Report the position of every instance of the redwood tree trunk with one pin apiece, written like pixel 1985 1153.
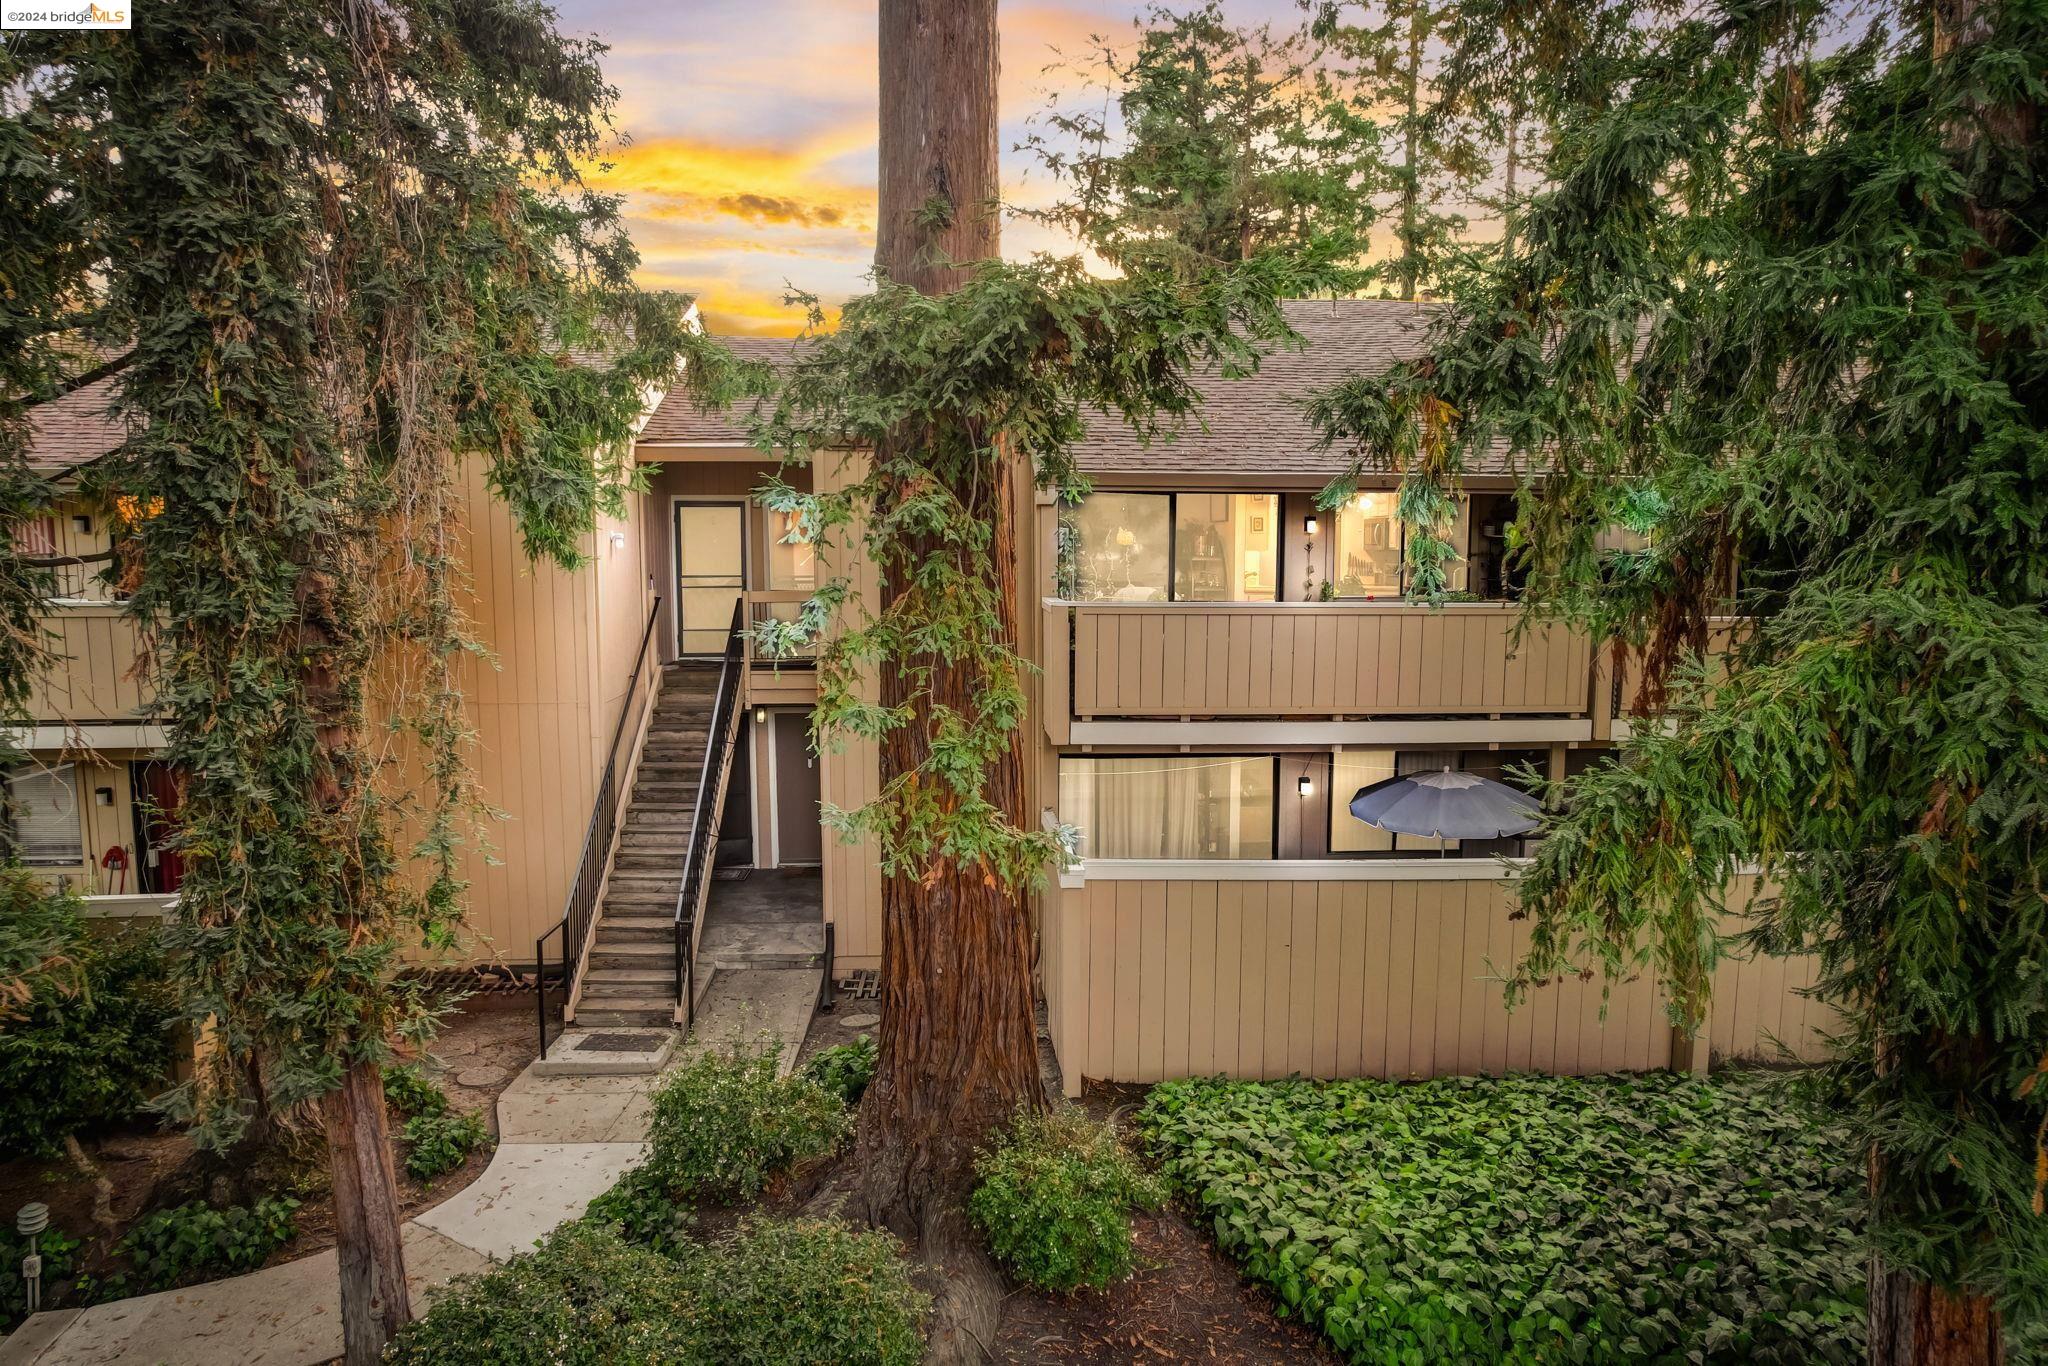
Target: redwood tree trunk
pixel 374 1300
pixel 958 1051
pixel 1914 1323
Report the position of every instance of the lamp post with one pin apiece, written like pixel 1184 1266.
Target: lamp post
pixel 29 1222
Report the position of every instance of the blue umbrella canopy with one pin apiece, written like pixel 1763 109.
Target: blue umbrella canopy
pixel 1447 805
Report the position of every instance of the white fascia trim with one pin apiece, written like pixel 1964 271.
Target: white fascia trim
pixel 1535 730
pixel 88 737
pixel 1292 870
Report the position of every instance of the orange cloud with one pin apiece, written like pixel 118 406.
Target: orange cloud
pixel 701 181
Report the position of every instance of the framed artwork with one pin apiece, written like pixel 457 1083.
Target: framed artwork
pixel 1258 525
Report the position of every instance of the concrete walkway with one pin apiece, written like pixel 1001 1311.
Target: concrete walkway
pixel 562 1141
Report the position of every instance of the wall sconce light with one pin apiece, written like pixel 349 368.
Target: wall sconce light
pixel 103 796
pixel 760 716
pixel 1306 785
pixel 618 540
pixel 82 524
pixel 1308 525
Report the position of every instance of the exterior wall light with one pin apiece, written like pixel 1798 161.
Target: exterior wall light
pixel 1306 785
pixel 618 540
pixel 760 716
pixel 1308 525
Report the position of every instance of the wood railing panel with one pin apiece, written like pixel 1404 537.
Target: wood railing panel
pixel 1392 977
pixel 1321 659
pixel 91 675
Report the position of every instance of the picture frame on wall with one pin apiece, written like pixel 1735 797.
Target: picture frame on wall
pixel 1258 525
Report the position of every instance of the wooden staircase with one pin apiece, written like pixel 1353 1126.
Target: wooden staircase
pixel 628 976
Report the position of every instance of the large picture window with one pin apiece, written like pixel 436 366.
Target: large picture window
pixel 1160 547
pixel 42 816
pixel 1178 806
pixel 1120 546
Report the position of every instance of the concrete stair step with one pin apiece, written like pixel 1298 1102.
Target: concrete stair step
pixel 627 981
pixel 637 838
pixel 659 792
pixel 619 1015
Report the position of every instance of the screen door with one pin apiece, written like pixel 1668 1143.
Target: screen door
pixel 711 573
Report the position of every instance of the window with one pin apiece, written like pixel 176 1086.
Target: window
pixel 1121 546
pixel 1179 806
pixel 1155 547
pixel 1372 545
pixel 1226 547
pixel 42 816
pixel 1368 548
pixel 792 564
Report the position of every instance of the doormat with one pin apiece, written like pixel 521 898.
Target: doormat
pixel 618 1042
pixel 863 985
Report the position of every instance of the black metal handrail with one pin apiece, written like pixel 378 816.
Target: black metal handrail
pixel 581 905
pixel 703 840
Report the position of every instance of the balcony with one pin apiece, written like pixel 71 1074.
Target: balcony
pixel 771 682
pixel 1379 661
pixel 93 678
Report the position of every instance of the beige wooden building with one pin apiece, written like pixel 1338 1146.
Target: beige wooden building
pixel 1222 666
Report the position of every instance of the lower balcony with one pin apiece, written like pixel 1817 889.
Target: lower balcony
pixel 92 676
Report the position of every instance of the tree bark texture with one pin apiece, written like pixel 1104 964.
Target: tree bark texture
pixel 958 1052
pixel 939 183
pixel 1914 1323
pixel 374 1301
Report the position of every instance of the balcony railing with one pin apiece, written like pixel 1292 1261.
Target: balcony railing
pixel 1314 659
pixel 92 676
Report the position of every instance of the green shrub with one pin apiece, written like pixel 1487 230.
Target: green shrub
pixel 723 1124
pixel 407 1090
pixel 844 1069
pixel 1054 1200
pixel 441 1141
pixel 794 1293
pixel 643 1211
pixel 804 1293
pixel 87 1046
pixel 197 1242
pixel 1534 1219
pixel 585 1296
pixel 60 1263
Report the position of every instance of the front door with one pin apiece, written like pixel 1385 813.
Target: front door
pixel 711 573
pixel 799 839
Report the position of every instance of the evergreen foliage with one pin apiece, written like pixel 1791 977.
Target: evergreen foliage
pixel 88 1048
pixel 1225 142
pixel 1786 305
pixel 343 250
pixel 1054 1198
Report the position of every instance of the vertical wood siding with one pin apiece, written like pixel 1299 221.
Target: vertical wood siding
pixel 1322 660
pixel 92 677
pixel 850 771
pixel 1149 980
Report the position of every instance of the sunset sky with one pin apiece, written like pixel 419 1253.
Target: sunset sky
pixel 749 160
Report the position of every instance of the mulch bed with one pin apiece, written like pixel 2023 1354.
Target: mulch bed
pixel 1186 1303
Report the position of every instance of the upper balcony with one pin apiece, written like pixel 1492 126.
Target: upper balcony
pixel 92 678
pixel 1413 669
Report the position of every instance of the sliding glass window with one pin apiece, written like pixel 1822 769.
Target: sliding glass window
pixel 1226 547
pixel 1119 547
pixel 1178 806
pixel 1156 547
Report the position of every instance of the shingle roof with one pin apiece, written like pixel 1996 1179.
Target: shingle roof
pixel 75 429
pixel 679 419
pixel 1255 425
pixel 1252 425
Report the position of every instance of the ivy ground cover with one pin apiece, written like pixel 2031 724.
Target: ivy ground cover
pixel 1533 1219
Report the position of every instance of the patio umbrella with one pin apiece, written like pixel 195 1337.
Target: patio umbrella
pixel 1447 805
